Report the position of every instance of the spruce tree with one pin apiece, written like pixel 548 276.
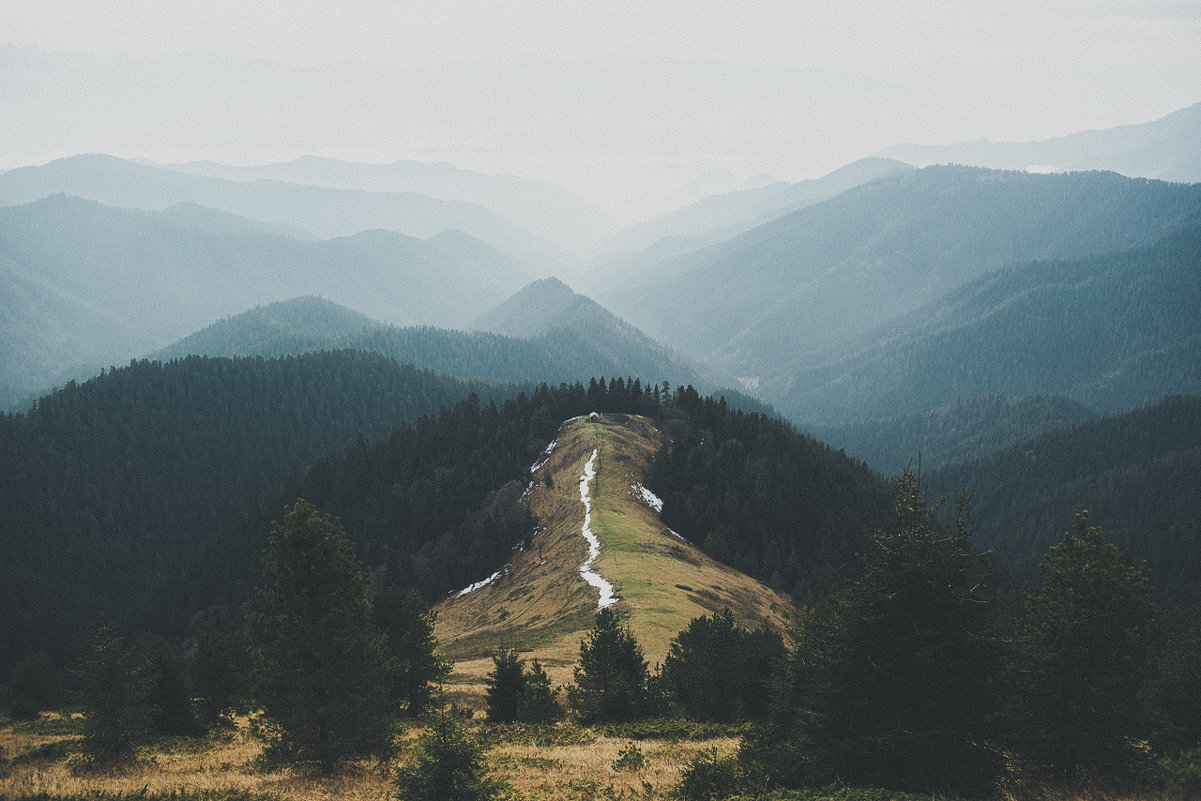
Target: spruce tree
pixel 409 628
pixel 506 686
pixel 1085 661
pixel 611 677
pixel 322 673
pixel 446 766
pixel 113 689
pixel 893 680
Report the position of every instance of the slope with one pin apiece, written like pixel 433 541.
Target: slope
pixel 114 487
pixel 719 217
pixel 767 302
pixel 1136 474
pixel 588 345
pixel 954 432
pixel 540 603
pixel 1112 332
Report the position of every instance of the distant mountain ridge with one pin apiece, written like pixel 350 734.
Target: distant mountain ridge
pixel 1113 332
pixel 575 348
pixel 719 217
pixel 323 211
pixel 549 210
pixel 91 285
pixel 779 299
pixel 1168 148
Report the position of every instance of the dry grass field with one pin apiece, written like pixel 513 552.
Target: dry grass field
pixel 538 764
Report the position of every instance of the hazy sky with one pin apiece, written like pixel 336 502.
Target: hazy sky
pixel 864 75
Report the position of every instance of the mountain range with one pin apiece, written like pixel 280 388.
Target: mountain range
pixel 1166 148
pixel 87 285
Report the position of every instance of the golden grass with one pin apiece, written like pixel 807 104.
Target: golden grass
pixel 224 762
pixel 227 762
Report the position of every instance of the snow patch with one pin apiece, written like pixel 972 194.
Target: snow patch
pixel 478 584
pixel 607 595
pixel 649 498
pixel 545 457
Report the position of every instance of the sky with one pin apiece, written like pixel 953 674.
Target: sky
pixel 607 98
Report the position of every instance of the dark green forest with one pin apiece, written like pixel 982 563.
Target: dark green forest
pixel 111 486
pixel 1137 474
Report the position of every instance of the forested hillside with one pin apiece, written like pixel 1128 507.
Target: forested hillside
pixel 1136 473
pixel 437 503
pixel 564 337
pixel 948 434
pixel 764 304
pixel 1112 332
pixel 111 486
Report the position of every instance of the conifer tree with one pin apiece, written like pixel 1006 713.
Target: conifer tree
pixel 1085 660
pixel 611 677
pixel 893 676
pixel 113 687
pixel 506 686
pixel 322 674
pixel 446 766
pixel 409 629
pixel 538 702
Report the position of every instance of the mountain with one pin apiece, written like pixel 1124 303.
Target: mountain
pixel 538 602
pixel 952 433
pixel 1135 473
pixel 716 218
pixel 294 326
pixel 550 313
pixel 769 302
pixel 1166 148
pixel 592 343
pixel 87 285
pixel 325 212
pixel 1113 332
pixel 553 212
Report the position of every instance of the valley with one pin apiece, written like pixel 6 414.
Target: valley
pixel 814 464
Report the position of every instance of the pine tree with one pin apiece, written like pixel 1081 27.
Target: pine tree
pixel 538 702
pixel 611 677
pixel 506 686
pixel 322 674
pixel 409 629
pixel 719 670
pixel 169 690
pixel 446 766
pixel 893 676
pixel 113 688
pixel 1085 660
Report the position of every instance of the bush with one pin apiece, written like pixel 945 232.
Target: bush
pixel 446 766
pixel 709 777
pixel 630 758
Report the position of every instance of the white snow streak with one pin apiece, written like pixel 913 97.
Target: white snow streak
pixel 542 460
pixel 478 584
pixel 607 595
pixel 649 498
